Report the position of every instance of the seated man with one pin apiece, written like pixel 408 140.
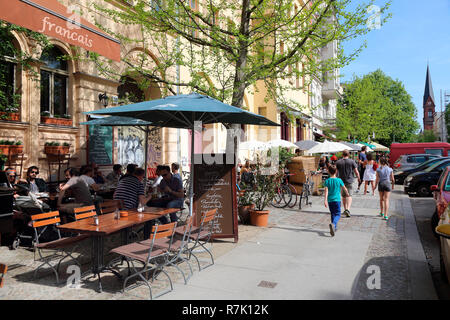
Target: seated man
pixel 114 176
pixel 11 174
pixel 34 183
pixel 175 168
pixel 131 190
pixel 97 175
pixel 86 176
pixel 79 190
pixel 130 170
pixel 172 187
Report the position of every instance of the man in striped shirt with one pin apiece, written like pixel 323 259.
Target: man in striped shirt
pixel 131 190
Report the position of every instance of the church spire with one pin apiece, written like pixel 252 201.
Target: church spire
pixel 428 88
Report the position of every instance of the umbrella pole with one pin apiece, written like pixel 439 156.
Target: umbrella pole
pixel 146 157
pixel 191 176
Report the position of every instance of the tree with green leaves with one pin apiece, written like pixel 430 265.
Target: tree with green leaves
pixel 238 44
pixel 376 105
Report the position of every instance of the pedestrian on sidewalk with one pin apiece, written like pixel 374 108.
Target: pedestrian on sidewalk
pixel 333 188
pixel 369 174
pixel 362 157
pixel 346 167
pixel 385 182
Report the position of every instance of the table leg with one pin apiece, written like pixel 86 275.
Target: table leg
pixel 148 228
pixel 97 258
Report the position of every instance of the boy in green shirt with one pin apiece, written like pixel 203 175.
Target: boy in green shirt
pixel 333 187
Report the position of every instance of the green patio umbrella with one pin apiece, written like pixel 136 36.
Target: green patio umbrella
pixel 182 111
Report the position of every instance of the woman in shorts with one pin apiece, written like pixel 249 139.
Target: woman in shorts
pixel 385 182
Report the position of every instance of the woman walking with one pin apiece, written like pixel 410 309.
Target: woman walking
pixel 385 182
pixel 369 174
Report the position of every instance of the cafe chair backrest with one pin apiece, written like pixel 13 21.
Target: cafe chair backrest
pixel 84 212
pixel 45 220
pixel 3 269
pixel 110 206
pixel 163 230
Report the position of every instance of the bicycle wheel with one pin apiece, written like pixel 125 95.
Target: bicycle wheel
pixel 304 196
pixel 282 197
pixel 277 201
pixel 293 201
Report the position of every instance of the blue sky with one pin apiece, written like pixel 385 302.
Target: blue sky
pixel 417 33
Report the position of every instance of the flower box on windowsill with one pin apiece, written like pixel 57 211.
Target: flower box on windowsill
pixel 56 150
pixel 10 116
pixel 56 121
pixel 10 149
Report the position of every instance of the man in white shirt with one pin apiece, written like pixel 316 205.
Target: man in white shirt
pixel 86 176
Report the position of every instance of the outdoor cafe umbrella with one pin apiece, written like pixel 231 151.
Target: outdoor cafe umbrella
pixel 280 143
pixel 351 146
pixel 252 145
pixel 379 147
pixel 306 144
pixel 182 111
pixel 328 147
pixel 113 121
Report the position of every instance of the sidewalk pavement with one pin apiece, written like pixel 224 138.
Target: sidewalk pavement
pixel 294 258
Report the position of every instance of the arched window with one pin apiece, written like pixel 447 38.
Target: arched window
pixel 284 126
pixel 129 91
pixel 9 99
pixel 54 82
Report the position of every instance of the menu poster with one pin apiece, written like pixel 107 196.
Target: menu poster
pixel 100 145
pixel 215 187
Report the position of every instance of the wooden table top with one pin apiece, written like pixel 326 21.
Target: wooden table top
pixel 108 225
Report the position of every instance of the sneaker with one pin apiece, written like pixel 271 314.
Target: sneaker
pixel 347 213
pixel 357 191
pixel 386 218
pixel 381 214
pixel 331 229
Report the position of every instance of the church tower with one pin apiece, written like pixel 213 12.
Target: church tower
pixel 428 103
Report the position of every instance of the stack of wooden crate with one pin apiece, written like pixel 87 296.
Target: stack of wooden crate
pixel 300 166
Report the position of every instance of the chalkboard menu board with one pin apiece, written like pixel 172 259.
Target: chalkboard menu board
pixel 100 145
pixel 215 187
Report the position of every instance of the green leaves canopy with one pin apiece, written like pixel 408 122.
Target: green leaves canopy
pixel 376 104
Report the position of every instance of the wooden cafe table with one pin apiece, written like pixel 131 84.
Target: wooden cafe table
pixel 109 225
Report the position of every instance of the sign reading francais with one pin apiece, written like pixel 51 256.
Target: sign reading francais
pixel 51 18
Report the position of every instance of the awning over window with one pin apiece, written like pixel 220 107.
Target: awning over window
pixel 53 19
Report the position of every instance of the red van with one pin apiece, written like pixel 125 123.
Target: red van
pixel 437 148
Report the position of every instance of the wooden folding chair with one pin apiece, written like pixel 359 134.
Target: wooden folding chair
pixel 84 212
pixel 178 248
pixel 3 270
pixel 110 206
pixel 200 236
pixel 47 220
pixel 153 257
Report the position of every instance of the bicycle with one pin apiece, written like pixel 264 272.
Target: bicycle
pixel 283 196
pixel 306 190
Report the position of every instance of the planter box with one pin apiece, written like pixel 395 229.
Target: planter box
pixel 11 149
pixel 11 116
pixel 56 121
pixel 56 149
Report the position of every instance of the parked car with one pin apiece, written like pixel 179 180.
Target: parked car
pixel 419 183
pixel 400 175
pixel 409 161
pixel 436 148
pixel 441 195
pixel 444 223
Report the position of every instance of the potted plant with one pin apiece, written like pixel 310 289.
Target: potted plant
pixel 8 147
pixel 245 203
pixel 57 119
pixel 16 148
pixel 54 147
pixel 263 192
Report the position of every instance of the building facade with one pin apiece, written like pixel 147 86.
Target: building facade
pixel 52 106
